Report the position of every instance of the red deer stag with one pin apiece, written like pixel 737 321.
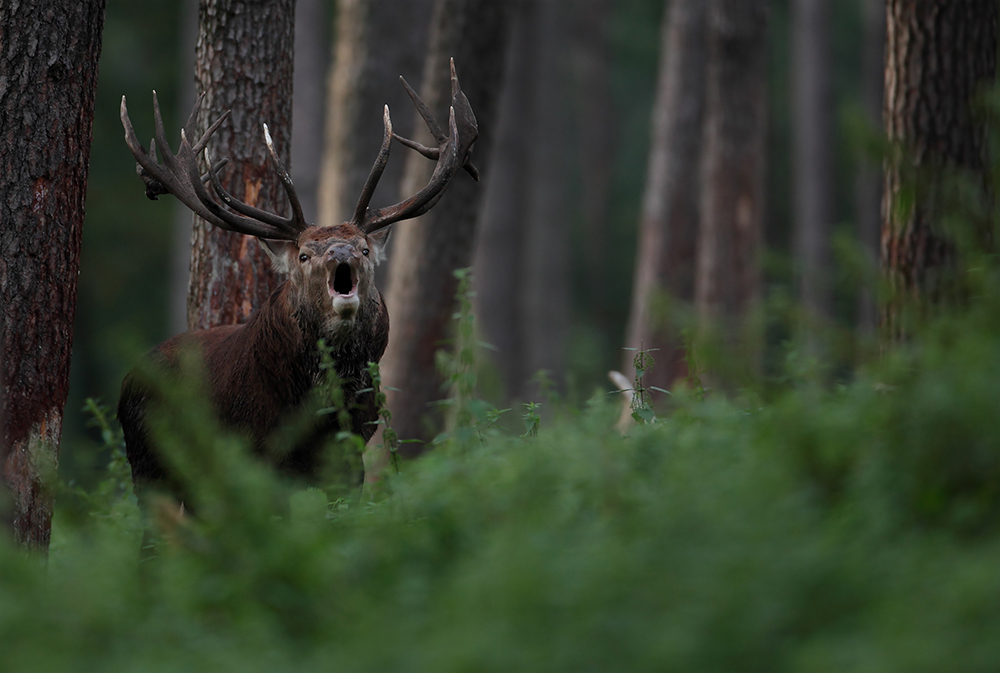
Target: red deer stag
pixel 260 372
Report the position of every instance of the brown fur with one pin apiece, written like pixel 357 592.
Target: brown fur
pixel 259 373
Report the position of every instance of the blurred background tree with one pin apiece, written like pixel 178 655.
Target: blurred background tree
pixel 940 57
pixel 570 193
pixel 426 252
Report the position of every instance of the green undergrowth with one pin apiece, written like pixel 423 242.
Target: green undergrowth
pixel 853 529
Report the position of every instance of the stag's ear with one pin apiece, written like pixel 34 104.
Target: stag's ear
pixel 378 241
pixel 279 252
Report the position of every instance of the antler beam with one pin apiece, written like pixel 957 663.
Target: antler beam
pixel 452 153
pixel 179 175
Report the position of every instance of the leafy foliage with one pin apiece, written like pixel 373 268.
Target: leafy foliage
pixel 848 529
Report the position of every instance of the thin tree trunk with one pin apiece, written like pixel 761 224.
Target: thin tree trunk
pixel 377 41
pixel 868 180
pixel 243 63
pixel 591 53
pixel 668 231
pixel 180 255
pixel 497 277
pixel 50 58
pixel 812 96
pixel 421 296
pixel 727 290
pixel 546 297
pixel 312 60
pixel 940 55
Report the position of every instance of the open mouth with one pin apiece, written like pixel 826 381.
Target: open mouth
pixel 343 283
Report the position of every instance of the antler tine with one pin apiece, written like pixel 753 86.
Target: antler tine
pixel 418 204
pixel 221 217
pixel 466 118
pixel 193 117
pixel 203 141
pixel 361 210
pixel 285 224
pixel 428 118
pixel 179 175
pixel 298 219
pixel 451 154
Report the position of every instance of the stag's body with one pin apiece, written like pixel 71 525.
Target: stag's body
pixel 260 373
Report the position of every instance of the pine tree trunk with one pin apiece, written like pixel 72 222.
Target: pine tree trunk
pixel 591 50
pixel 545 251
pixel 940 55
pixel 421 296
pixel 668 231
pixel 244 63
pixel 728 284
pixel 377 41
pixel 50 59
pixel 813 163
pixel 868 180
pixel 496 266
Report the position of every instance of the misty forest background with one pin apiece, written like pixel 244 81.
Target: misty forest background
pixel 816 491
pixel 599 77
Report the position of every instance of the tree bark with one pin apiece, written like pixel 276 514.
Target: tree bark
pixel 376 42
pixel 421 296
pixel 940 54
pixel 812 96
pixel 244 63
pixel 50 60
pixel 868 180
pixel 727 290
pixel 668 231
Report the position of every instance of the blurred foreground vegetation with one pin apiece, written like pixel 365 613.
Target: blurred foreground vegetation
pixel 802 525
pixel 853 528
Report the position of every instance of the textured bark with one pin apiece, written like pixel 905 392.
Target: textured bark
pixel 50 53
pixel 727 289
pixel 376 42
pixel 244 63
pixel 812 97
pixel 312 60
pixel 868 180
pixel 940 54
pixel 668 231
pixel 421 296
pixel 499 246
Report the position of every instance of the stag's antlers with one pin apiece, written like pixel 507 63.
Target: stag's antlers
pixel 451 154
pixel 179 175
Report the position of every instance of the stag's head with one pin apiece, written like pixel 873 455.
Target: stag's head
pixel 331 270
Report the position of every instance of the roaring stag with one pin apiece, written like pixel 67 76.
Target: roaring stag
pixel 260 372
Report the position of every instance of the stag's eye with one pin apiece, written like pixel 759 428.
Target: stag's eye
pixel 303 257
pixel 365 252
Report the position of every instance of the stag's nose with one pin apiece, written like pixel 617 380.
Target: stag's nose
pixel 339 254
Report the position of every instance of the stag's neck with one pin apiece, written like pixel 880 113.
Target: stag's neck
pixel 285 334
